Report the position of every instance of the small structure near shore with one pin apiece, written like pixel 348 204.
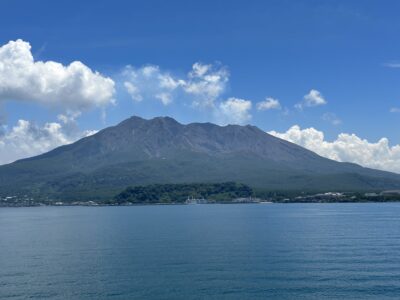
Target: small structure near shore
pixel 192 200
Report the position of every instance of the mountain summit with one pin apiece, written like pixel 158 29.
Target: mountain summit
pixel 161 150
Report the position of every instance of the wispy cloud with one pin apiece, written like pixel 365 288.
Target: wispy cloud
pixel 392 65
pixel 331 118
pixel 395 110
pixel 202 88
pixel 203 85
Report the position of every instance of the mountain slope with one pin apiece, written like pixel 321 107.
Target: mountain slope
pixel 161 150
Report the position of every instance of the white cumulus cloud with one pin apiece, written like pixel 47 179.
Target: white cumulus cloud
pixel 346 148
pixel 269 103
pixel 73 87
pixel 313 98
pixel 206 83
pixel 234 111
pixel 150 82
pixel 27 139
pixel 202 86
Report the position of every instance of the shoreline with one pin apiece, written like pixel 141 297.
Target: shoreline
pixel 185 204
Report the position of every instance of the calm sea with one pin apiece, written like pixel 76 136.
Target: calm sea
pixel 274 251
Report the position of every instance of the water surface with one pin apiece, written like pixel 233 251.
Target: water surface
pixel 275 251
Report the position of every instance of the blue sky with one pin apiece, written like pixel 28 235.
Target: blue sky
pixel 345 50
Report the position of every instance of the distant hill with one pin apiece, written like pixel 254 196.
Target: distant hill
pixel 161 150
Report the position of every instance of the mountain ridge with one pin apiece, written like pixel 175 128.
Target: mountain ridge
pixel 161 150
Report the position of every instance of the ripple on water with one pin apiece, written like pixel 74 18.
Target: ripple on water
pixel 302 251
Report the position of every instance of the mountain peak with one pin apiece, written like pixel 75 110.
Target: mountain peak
pixel 164 119
pixel 136 120
pixel 161 150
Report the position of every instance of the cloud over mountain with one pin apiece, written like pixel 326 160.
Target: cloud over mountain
pixel 234 110
pixel 74 88
pixel 203 85
pixel 202 88
pixel 27 139
pixel 346 148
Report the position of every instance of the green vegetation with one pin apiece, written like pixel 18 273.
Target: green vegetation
pixel 179 193
pixel 140 152
pixel 202 193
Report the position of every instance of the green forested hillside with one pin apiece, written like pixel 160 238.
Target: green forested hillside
pixel 179 193
pixel 140 152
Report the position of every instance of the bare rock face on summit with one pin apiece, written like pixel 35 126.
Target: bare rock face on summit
pixel 161 150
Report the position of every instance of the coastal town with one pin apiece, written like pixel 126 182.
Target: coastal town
pixel 327 197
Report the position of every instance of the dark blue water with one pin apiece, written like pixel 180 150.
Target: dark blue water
pixel 292 251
